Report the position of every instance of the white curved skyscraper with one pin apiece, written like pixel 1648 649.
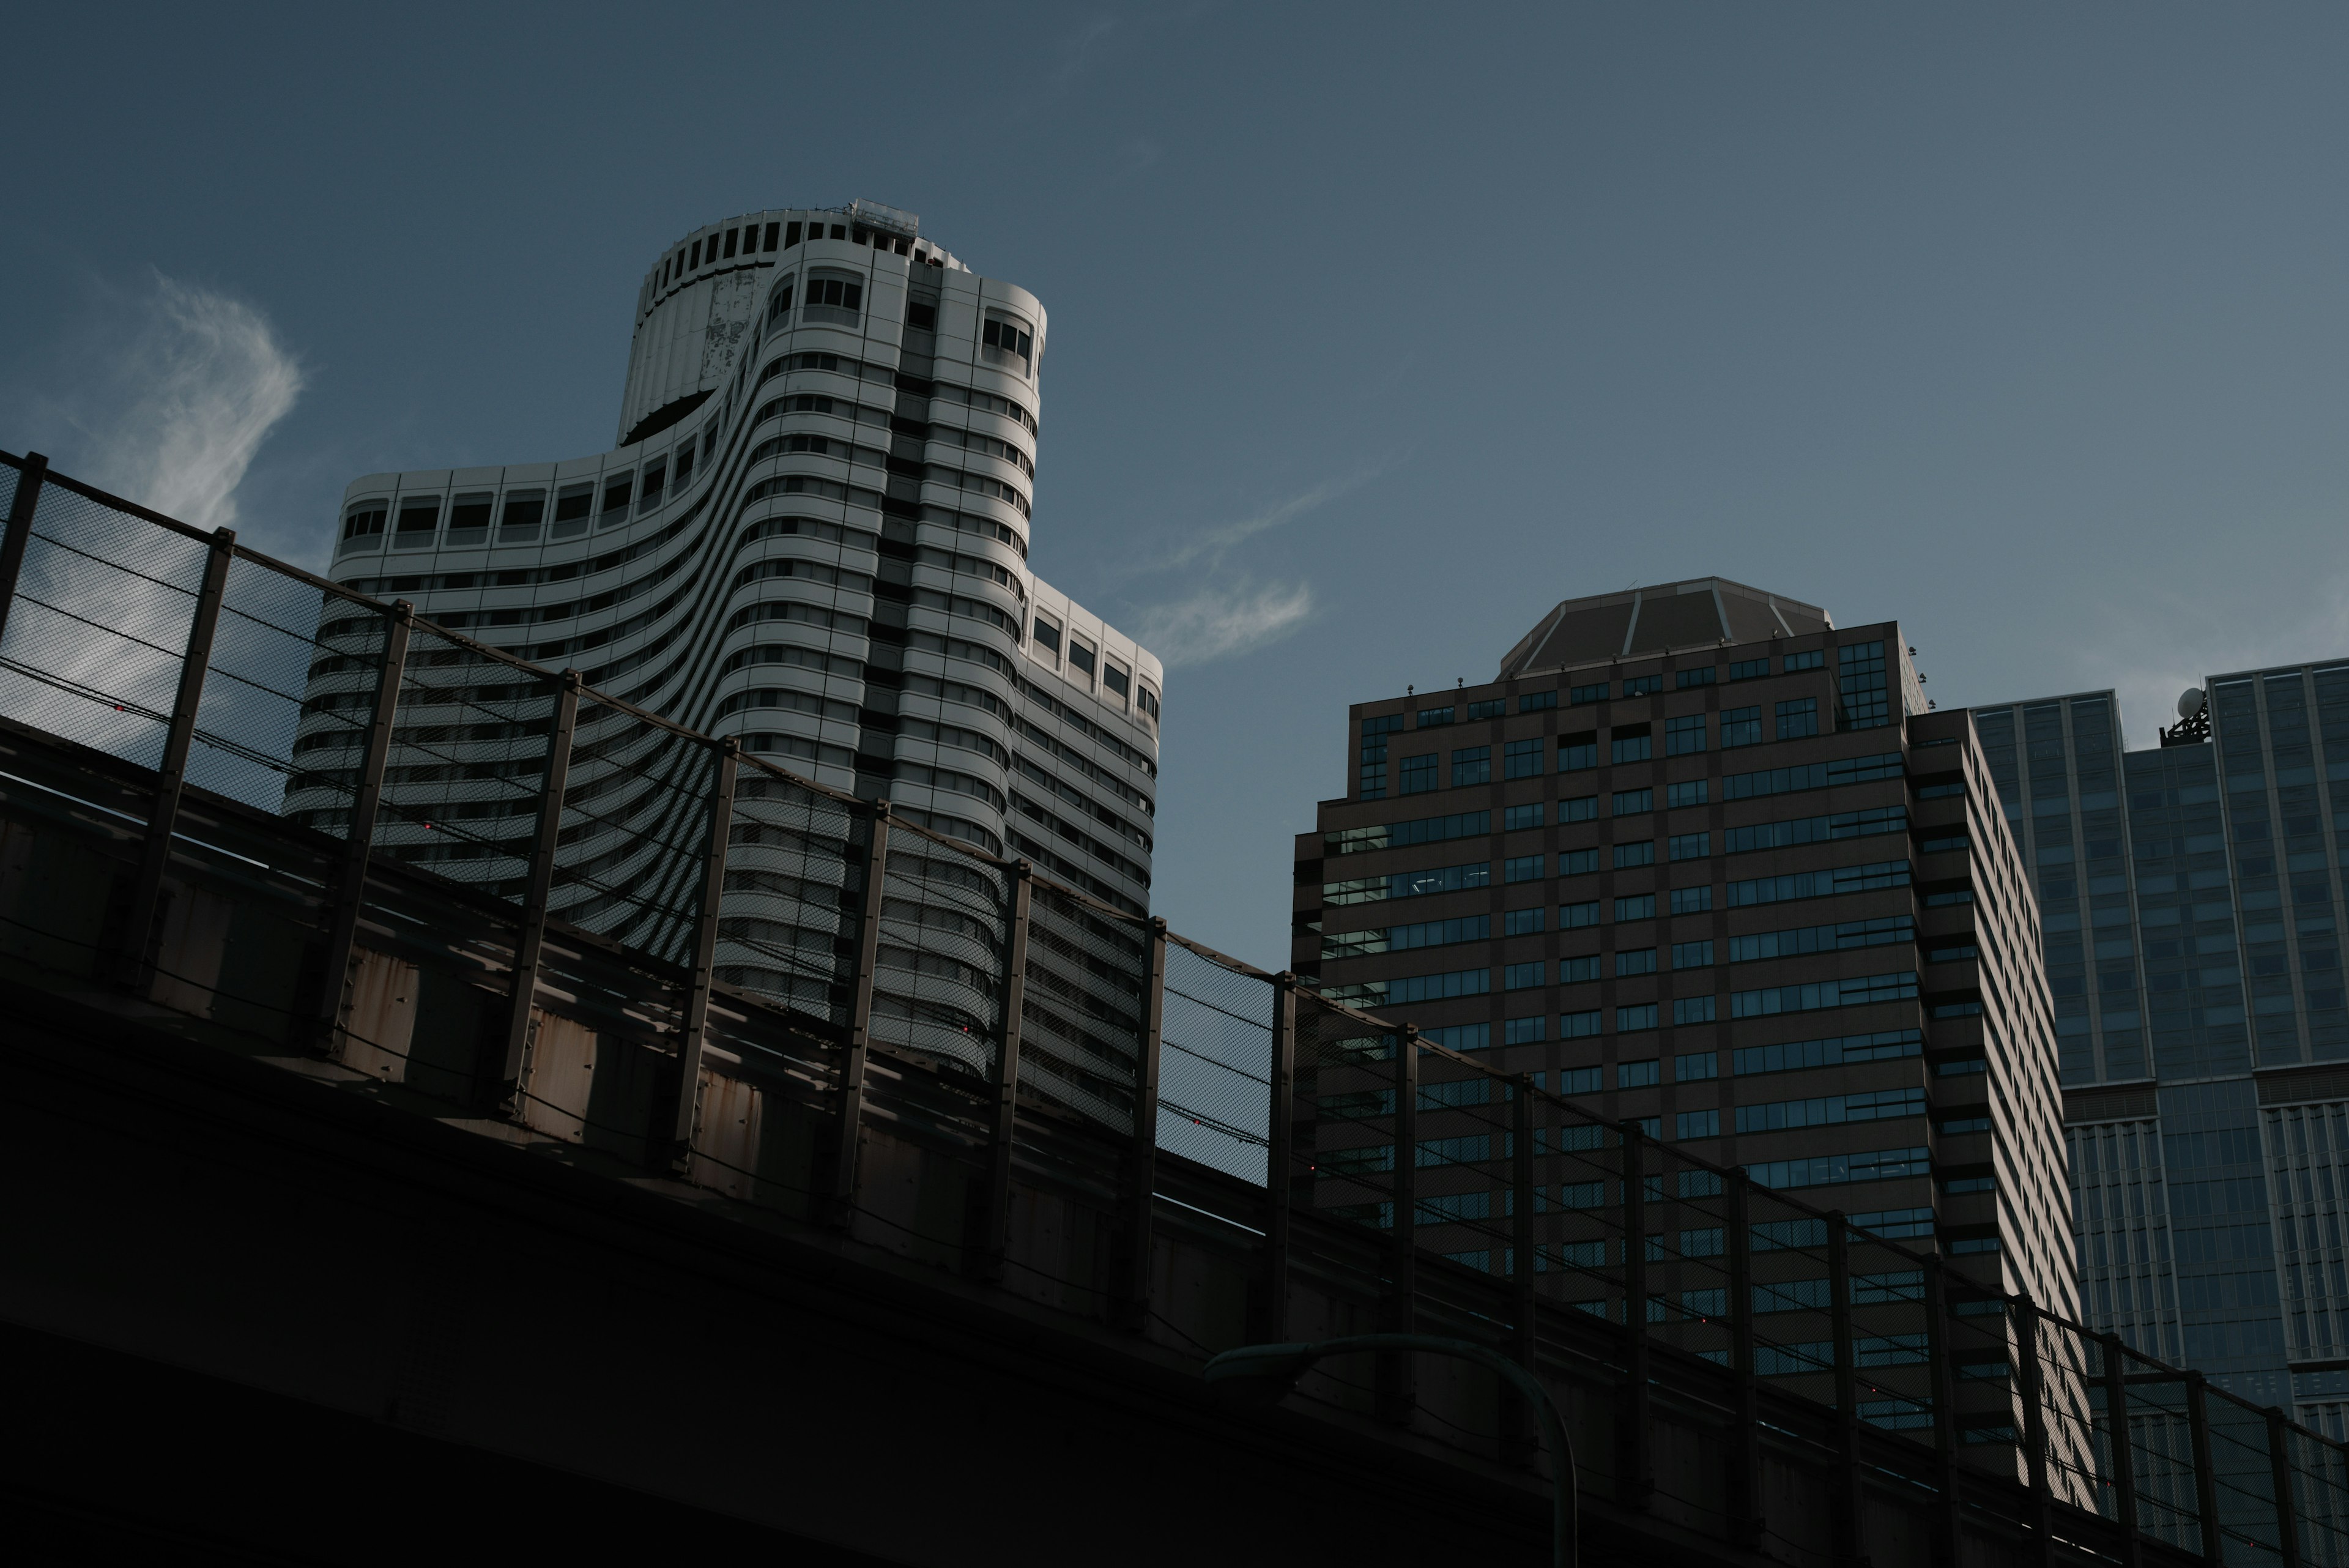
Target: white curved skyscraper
pixel 813 535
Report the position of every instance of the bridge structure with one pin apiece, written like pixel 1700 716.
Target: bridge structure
pixel 355 1205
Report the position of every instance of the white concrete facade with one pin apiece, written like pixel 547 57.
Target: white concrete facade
pixel 817 539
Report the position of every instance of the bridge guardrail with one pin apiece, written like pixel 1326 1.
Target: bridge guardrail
pixel 785 988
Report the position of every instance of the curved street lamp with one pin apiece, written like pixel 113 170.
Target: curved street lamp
pixel 1257 1376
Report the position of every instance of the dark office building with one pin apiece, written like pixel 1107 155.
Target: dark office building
pixel 2191 895
pixel 1703 856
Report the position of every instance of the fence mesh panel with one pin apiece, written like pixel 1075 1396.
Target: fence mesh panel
pixel 794 887
pixel 253 698
pixel 346 655
pixel 1214 1065
pixel 467 765
pixel 1082 1039
pixel 100 625
pixel 946 921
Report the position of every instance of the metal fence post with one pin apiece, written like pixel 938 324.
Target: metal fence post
pixel 678 1137
pixel 1397 1386
pixel 850 1131
pixel 1279 1156
pixel 2286 1505
pixel 359 845
pixel 530 937
pixel 2031 1386
pixel 1942 1389
pixel 1746 1440
pixel 2206 1479
pixel 995 1228
pixel 2124 1452
pixel 1635 1477
pixel 1141 1151
pixel 20 530
pixel 171 780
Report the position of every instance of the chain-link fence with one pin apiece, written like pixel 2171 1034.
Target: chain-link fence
pixel 1432 1186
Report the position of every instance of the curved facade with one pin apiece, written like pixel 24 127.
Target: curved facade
pixel 815 536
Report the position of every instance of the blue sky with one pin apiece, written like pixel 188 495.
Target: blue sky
pixel 1374 331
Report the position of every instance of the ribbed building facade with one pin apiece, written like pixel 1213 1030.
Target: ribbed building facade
pixel 813 535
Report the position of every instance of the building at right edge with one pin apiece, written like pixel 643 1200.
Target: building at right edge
pixel 2191 896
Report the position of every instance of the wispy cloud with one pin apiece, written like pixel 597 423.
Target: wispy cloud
pixel 1082 48
pixel 1218 622
pixel 184 401
pixel 1212 545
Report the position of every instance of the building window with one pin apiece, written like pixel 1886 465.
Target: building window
pixel 1740 727
pixel 1471 765
pixel 419 520
pixel 1149 701
pixel 1642 852
pixel 1638 906
pixel 1684 678
pixel 1631 1020
pixel 1698 1123
pixel 835 299
pixel 1636 960
pixel 1692 846
pixel 1643 685
pixel 525 510
pixel 1047 635
pixel 1492 709
pixel 1581 694
pixel 655 482
pixel 1521 922
pixel 1522 759
pixel 1576 752
pixel 1633 802
pixel 1861 687
pixel 1518 818
pixel 1535 702
pixel 1691 900
pixel 1749 668
pixel 1812 660
pixel 617 490
pixel 1419 774
pixel 1639 1074
pixel 1692 793
pixel 1682 736
pixel 1081 656
pixel 1579 808
pixel 1575 970
pixel 779 303
pixel 1692 1009
pixel 1521 1032
pixel 1577 1026
pixel 1002 341
pixel 1570 916
pixel 922 315
pixel 1523 868
pixel 1798 717
pixel 1375 731
pixel 366 520
pixel 1577 862
pixel 1521 976
pixel 1696 1065
pixel 1116 679
pixel 1693 955
pixel 572 503
pixel 1631 744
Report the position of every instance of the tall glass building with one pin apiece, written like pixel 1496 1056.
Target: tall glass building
pixel 2191 907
